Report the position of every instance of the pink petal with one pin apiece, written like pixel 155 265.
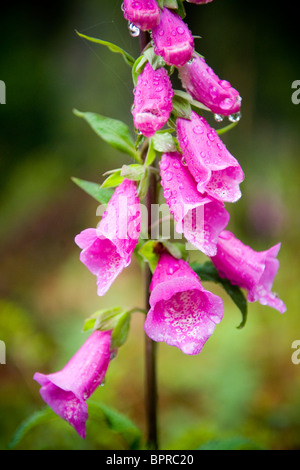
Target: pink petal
pixel 201 219
pixel 215 170
pixel 144 14
pixel 172 39
pixel 152 100
pixel 182 313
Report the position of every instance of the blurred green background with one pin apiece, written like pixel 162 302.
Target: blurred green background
pixel 244 382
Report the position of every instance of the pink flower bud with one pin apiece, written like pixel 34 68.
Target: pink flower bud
pixel 142 13
pixel 215 170
pixel 152 100
pixel 249 269
pixel 172 39
pixel 66 391
pixel 201 219
pixel 107 250
pixel 203 85
pixel 182 313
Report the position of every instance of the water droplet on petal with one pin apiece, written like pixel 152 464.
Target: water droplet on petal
pixel 134 31
pixel 198 130
pixel 164 165
pixel 183 161
pixel 169 175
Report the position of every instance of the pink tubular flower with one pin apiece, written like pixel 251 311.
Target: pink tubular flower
pixel 172 39
pixel 107 250
pixel 201 219
pixel 182 313
pixel 203 85
pixel 142 13
pixel 152 100
pixel 249 269
pixel 66 391
pixel 215 170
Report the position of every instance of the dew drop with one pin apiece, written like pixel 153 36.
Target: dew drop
pixel 180 30
pixel 167 193
pixel 218 117
pixel 169 175
pixel 134 31
pixel 236 117
pixel 198 130
pixel 164 165
pixel 183 161
pixel 176 165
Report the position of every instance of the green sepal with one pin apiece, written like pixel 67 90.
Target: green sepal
pixel 115 319
pixel 147 252
pixel 163 142
pixel 181 107
pixel 133 172
pixel 112 47
pixel 177 250
pixel 113 180
pixel 208 272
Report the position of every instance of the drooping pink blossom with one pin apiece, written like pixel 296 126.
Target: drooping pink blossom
pixel 142 13
pixel 66 391
pixel 107 250
pixel 215 170
pixel 203 85
pixel 182 313
pixel 201 219
pixel 172 39
pixel 249 269
pixel 152 100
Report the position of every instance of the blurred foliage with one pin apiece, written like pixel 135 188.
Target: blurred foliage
pixel 243 385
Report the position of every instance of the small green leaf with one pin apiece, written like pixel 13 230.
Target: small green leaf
pixel 181 107
pixel 151 155
pixel 117 422
pixel 143 186
pixel 93 189
pixel 181 10
pixel 147 251
pixel 112 131
pixel 208 272
pixel 40 417
pixel 113 180
pixel 133 172
pixel 154 60
pixel 164 142
pixel 138 67
pixel 112 47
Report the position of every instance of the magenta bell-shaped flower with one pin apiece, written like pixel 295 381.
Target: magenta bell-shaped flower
pixel 66 391
pixel 203 85
pixel 182 313
pixel 201 219
pixel 216 171
pixel 107 250
pixel 152 100
pixel 172 39
pixel 144 14
pixel 249 269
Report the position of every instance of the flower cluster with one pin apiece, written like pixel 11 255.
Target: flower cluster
pixel 198 175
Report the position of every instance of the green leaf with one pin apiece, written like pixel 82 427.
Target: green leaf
pixel 138 67
pixel 164 142
pixel 133 172
pixel 40 417
pixel 143 186
pixel 233 443
pixel 112 47
pixel 147 251
pixel 112 131
pixel 208 272
pixel 172 4
pixel 117 422
pixel 181 107
pixel 151 154
pixel 93 189
pixel 113 180
pixel 155 60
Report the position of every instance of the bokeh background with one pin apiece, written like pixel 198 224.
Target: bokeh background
pixel 244 382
